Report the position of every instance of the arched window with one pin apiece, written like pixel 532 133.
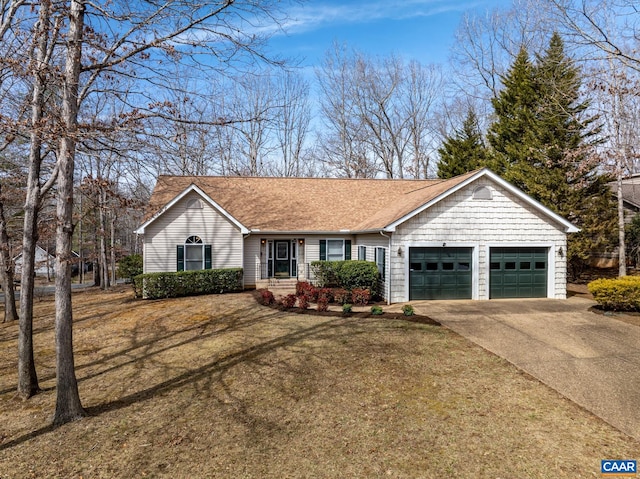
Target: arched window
pixel 194 255
pixel 482 193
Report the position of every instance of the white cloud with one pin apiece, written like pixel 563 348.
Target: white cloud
pixel 317 14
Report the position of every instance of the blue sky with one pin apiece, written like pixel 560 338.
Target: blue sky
pixel 415 29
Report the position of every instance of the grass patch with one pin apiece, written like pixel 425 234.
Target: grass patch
pixel 218 386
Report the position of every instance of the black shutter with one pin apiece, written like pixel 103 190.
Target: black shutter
pixel 323 250
pixel 347 249
pixel 207 256
pixel 180 266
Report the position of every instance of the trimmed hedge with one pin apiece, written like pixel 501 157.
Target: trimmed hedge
pixel 620 294
pixel 187 283
pixel 348 274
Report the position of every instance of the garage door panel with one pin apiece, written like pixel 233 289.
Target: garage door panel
pixel 518 272
pixel 440 273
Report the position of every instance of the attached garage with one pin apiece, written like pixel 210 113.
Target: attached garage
pixel 440 273
pixel 518 272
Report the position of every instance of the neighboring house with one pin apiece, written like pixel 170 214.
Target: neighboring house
pixel 44 263
pixel 470 237
pixel 630 196
pixel 631 207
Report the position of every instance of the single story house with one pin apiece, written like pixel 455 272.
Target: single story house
pixel 474 236
pixel 44 263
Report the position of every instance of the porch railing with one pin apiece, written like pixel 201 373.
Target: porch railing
pixel 263 272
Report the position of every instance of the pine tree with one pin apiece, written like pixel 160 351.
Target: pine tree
pixel 512 136
pixel 543 142
pixel 464 151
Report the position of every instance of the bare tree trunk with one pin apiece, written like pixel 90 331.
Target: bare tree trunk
pixel 27 377
pixel 6 271
pixel 68 405
pixel 622 253
pixel 104 268
pixel 112 252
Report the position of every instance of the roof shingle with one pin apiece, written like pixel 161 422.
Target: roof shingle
pixel 307 204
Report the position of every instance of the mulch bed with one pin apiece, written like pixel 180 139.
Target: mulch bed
pixel 415 318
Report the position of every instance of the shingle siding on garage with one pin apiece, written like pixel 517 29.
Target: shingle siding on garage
pixel 459 219
pixel 162 236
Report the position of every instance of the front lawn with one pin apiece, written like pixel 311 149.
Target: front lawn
pixel 218 386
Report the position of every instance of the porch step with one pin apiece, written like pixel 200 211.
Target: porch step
pixel 278 284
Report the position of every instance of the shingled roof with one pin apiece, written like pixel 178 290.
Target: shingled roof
pixel 306 204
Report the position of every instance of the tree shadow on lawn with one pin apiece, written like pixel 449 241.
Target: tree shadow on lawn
pixel 240 320
pixel 144 346
pixel 192 376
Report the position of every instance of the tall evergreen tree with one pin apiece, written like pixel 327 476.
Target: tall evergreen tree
pixel 464 151
pixel 512 136
pixel 543 141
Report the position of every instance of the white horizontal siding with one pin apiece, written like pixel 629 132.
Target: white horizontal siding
pixel 461 220
pixel 178 223
pixel 371 242
pixel 252 260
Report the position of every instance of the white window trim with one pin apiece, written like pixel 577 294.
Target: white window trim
pixel 362 248
pixel 327 252
pixel 386 260
pixel 191 245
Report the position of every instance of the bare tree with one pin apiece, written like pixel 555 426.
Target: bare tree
pixel 486 44
pixel 343 143
pixel 45 34
pixel 10 312
pixel 610 27
pixel 75 46
pixel 377 113
pixel 292 121
pixel 420 99
pixel 254 111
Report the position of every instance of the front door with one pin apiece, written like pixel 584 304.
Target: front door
pixel 281 260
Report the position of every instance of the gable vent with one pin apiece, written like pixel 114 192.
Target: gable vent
pixel 482 193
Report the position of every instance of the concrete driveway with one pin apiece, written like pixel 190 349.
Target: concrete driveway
pixel 592 359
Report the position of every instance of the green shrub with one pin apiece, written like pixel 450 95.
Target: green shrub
pixel 346 274
pixel 358 274
pixel 408 310
pixel 376 310
pixel 620 294
pixel 187 283
pixel 130 266
pixel 347 308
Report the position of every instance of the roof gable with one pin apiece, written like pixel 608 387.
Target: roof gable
pixel 192 188
pixel 465 180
